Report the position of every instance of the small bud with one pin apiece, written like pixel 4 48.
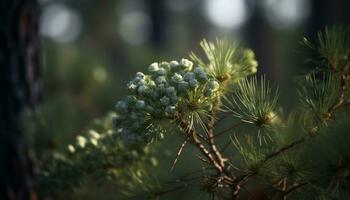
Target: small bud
pixel 161 72
pixel 183 86
pixel 188 76
pixel 193 83
pixel 249 54
pixel 122 107
pixel 93 141
pixel 131 86
pixel 81 141
pixel 94 134
pixel 186 63
pixel 165 101
pixel 213 85
pixel 140 75
pixel 252 70
pixel 142 90
pixel 173 64
pixel 200 74
pixel 229 66
pixel 170 110
pixel 130 100
pixel 153 67
pixel 176 78
pixel 141 82
pixel 154 161
pixel 165 65
pixel 138 173
pixel 71 148
pixel 198 70
pixel 140 104
pixel 161 79
pixel 170 91
pixel 202 78
pixel 253 63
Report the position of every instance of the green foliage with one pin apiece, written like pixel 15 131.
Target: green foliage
pixel 100 155
pixel 250 152
pixel 333 47
pixel 308 159
pixel 330 159
pixel 168 88
pixel 319 95
pixel 226 61
pixel 253 103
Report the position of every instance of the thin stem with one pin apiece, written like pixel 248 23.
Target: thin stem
pixel 284 187
pixel 227 130
pixel 191 133
pixel 283 149
pixel 341 99
pixel 222 118
pixel 163 192
pixel 210 126
pixel 178 154
pixel 294 187
pixel 202 159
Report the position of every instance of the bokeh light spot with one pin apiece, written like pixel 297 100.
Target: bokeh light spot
pixel 60 23
pixel 135 27
pixel 283 14
pixel 229 14
pixel 99 74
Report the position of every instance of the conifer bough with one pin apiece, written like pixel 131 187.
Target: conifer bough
pixel 275 156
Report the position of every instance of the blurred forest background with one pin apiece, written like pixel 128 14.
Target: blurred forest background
pixel 89 49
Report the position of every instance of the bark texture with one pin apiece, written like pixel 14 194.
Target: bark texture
pixel 20 88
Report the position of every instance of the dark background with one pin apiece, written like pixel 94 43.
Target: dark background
pixel 89 49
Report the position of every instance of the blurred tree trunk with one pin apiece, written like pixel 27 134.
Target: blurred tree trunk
pixel 20 87
pixel 158 18
pixel 335 12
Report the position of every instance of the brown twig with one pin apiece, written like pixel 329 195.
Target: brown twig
pixel 179 151
pixel 341 99
pixel 284 188
pixel 227 130
pixel 163 192
pixel 203 160
pixel 191 133
pixel 210 127
pixel 283 149
pixel 294 187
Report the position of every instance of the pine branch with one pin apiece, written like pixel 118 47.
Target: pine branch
pixel 341 99
pixel 283 149
pixel 183 94
pixel 192 134
pixel 210 126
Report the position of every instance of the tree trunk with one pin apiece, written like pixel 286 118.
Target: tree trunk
pixel 20 87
